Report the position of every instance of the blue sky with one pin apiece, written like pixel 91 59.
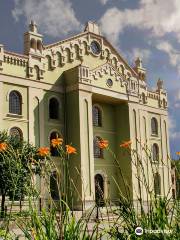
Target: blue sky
pixel 146 28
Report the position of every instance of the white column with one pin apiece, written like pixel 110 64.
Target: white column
pixel 86 139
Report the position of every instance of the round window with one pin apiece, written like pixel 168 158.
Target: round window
pixel 109 82
pixel 95 47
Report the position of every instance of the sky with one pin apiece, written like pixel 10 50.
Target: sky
pixel 149 29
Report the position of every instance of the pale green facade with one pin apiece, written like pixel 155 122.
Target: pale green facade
pixel 76 75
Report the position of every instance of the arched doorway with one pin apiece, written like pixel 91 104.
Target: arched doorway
pixel 99 190
pixel 54 186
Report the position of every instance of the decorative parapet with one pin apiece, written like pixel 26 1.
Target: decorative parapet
pixel 132 86
pixel 15 59
pixel 160 97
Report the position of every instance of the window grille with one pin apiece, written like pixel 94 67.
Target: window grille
pixel 98 152
pixel 97 117
pixel 15 103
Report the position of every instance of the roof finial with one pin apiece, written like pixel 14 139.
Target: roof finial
pixel 92 27
pixel 138 62
pixel 159 84
pixel 33 26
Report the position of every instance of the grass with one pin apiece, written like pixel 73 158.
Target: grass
pixel 57 221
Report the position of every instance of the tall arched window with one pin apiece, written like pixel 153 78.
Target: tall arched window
pixel 33 44
pixel 54 151
pixel 99 190
pixel 97 116
pixel 154 126
pixel 98 152
pixel 49 66
pixel 59 60
pixel 15 103
pixel 39 46
pixel 16 132
pixel 157 184
pixel 54 186
pixel 155 150
pixel 164 103
pixel 143 98
pixel 53 108
pixel 37 72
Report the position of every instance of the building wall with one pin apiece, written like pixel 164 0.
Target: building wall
pixel 78 77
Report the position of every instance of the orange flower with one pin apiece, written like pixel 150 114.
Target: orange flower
pixel 70 149
pixel 56 142
pixel 126 144
pixel 103 144
pixel 43 151
pixel 177 153
pixel 3 147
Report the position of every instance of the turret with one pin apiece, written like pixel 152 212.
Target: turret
pixel 139 69
pixel 159 84
pixel 33 40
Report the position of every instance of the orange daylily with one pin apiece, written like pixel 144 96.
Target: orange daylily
pixel 177 153
pixel 70 149
pixel 56 142
pixel 3 146
pixel 126 144
pixel 43 151
pixel 103 143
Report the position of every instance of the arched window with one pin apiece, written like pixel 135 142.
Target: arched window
pixel 39 46
pixel 122 69
pixel 49 67
pixel 59 60
pixel 16 132
pixel 154 126
pixel 54 151
pixel 164 103
pixel 98 152
pixel 157 184
pixel 15 103
pixel 155 150
pixel 76 48
pixel 143 98
pixel 37 72
pixel 99 190
pixel 53 108
pixel 33 44
pixel 54 186
pixel 97 116
pixel 68 55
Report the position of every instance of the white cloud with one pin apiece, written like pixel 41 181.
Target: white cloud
pixel 144 54
pixel 178 95
pixel 172 123
pixel 158 17
pixel 55 17
pixel 177 105
pixel 174 56
pixel 174 134
pixel 177 99
pixel 103 2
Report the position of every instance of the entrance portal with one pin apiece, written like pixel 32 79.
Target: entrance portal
pixel 99 190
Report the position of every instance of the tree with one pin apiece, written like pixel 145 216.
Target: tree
pixel 15 173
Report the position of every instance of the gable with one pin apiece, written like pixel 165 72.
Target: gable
pixel 78 50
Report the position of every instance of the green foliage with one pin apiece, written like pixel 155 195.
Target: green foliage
pixel 15 174
pixel 55 220
pixel 4 235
